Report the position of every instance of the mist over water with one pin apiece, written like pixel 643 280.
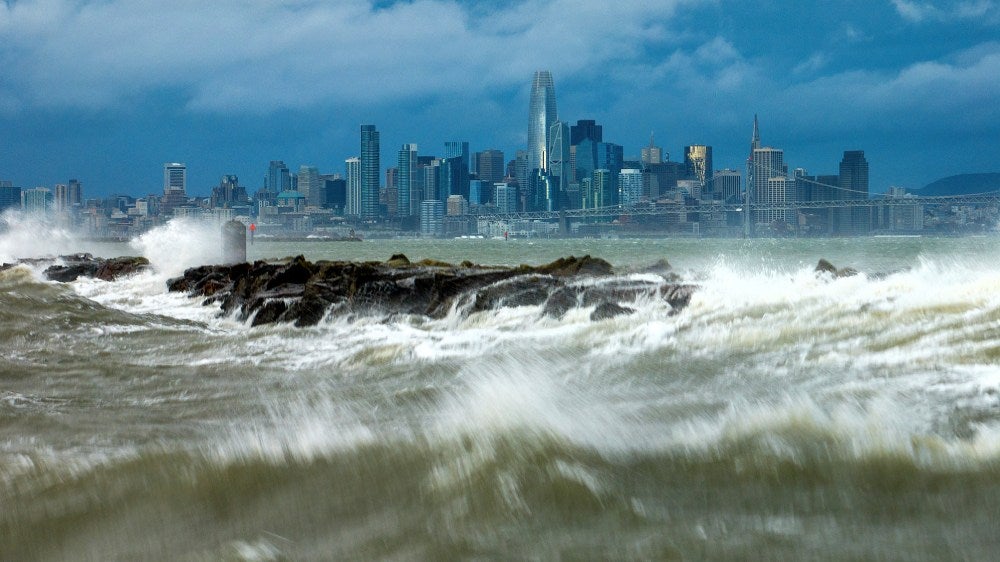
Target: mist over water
pixel 781 415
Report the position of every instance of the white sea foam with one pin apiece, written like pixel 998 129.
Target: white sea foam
pixel 180 244
pixel 24 236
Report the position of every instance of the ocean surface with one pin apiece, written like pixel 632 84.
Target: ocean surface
pixel 780 416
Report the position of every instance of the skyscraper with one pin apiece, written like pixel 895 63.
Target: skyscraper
pixel 352 203
pixel 406 180
pixel 278 179
pixel 854 185
pixel 629 186
pixel 369 172
pixel 652 154
pixel 541 116
pixel 585 129
pixel 489 166
pixel 559 162
pixel 698 165
pixel 854 175
pixel 310 185
pixel 768 163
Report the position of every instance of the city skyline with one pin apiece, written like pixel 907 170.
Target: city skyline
pixel 913 84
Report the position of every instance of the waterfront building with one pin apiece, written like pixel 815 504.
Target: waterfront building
pixel 352 203
pixel 457 206
pixel 432 217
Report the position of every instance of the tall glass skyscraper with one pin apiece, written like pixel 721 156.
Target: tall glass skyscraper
pixel 370 175
pixel 541 116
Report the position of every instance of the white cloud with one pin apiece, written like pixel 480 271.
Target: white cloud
pixel 956 94
pixel 915 11
pixel 232 55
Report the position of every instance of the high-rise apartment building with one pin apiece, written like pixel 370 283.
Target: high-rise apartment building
pixel 370 173
pixel 541 117
pixel 629 186
pixel 407 179
pixel 352 203
pixel 36 201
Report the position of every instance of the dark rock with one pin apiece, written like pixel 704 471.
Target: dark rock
pixel 561 301
pixel 570 266
pixel 397 260
pixel 269 312
pixel 75 266
pixel 607 310
pixel 300 292
pixel 828 268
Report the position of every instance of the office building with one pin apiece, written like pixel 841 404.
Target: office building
pixel 10 196
pixel 727 186
pixel 490 166
pixel 652 154
pixel 310 185
pixel 559 161
pixel 505 197
pixel 174 177
pixel 698 165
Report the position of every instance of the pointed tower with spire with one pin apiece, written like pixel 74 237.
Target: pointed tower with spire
pixel 755 138
pixel 652 154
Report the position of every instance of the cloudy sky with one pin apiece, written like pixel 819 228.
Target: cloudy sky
pixel 106 91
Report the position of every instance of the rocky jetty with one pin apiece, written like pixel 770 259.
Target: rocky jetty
pixel 302 292
pixel 71 267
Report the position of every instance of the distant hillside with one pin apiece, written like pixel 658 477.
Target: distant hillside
pixel 962 184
